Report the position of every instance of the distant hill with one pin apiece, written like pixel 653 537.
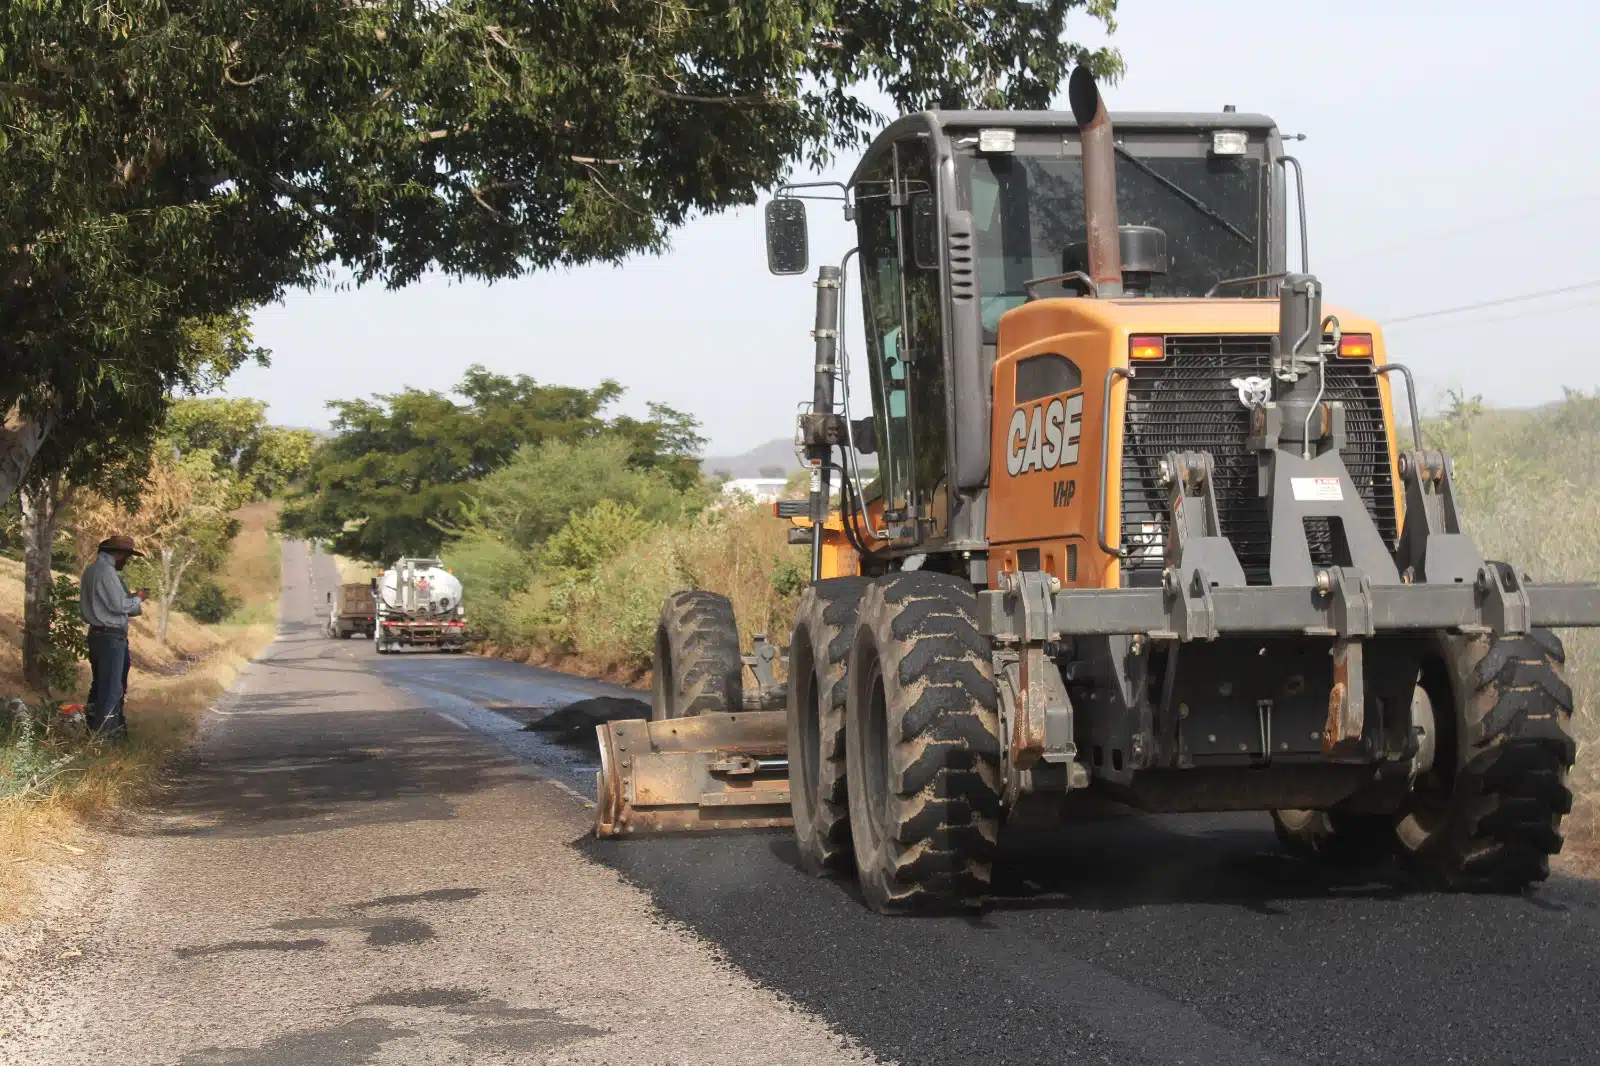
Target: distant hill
pixel 775 453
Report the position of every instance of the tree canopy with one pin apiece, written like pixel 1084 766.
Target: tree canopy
pixel 398 469
pixel 234 434
pixel 167 165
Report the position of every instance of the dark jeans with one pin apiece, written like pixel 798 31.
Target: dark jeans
pixel 108 657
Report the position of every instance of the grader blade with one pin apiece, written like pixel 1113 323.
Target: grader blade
pixel 711 771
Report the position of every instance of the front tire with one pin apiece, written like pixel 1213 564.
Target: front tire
pixel 697 668
pixel 819 653
pixel 922 746
pixel 1487 815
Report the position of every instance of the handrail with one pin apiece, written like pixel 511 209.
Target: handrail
pixel 1060 279
pixel 1251 280
pixel 1105 461
pixel 1411 398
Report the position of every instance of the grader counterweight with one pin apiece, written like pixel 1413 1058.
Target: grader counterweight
pixel 1142 530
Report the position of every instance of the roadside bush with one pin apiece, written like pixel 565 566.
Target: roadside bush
pixel 66 637
pixel 206 601
pixel 740 551
pixel 38 748
pixel 544 487
pixel 493 574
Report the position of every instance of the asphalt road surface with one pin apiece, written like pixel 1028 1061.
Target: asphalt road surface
pixel 1135 940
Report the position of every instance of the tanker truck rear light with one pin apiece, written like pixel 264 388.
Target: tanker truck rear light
pixel 1146 347
pixel 1355 346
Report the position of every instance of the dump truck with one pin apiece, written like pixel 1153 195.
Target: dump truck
pixel 353 610
pixel 419 605
pixel 1146 531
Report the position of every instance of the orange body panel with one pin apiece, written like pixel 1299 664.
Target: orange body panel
pixel 1047 468
pixel 839 557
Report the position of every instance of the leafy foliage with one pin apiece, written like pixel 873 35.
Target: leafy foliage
pixel 168 165
pixel 234 432
pixel 532 497
pixel 65 642
pixel 34 757
pixel 206 601
pixel 183 520
pixel 397 473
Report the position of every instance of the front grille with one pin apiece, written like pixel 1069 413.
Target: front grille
pixel 1184 402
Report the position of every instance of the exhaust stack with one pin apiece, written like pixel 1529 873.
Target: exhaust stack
pixel 1099 182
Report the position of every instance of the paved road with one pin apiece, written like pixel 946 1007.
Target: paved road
pixel 1148 940
pixel 349 874
pixel 1139 941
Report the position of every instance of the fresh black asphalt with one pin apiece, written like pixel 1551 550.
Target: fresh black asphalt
pixel 1134 940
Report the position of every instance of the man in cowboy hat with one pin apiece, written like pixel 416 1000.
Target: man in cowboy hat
pixel 107 605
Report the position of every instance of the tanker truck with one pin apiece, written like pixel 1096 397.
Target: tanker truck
pixel 419 605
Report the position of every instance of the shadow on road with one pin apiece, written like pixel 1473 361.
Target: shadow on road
pixel 1138 862
pixel 307 770
pixel 1129 862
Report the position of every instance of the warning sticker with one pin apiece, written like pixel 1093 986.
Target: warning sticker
pixel 1326 489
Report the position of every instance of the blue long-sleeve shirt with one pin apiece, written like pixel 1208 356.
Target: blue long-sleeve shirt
pixel 104 599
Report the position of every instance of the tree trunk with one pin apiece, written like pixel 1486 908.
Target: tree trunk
pixel 21 437
pixel 42 507
pixel 167 593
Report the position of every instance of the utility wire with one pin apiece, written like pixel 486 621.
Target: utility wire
pixel 1519 317
pixel 1461 231
pixel 1501 302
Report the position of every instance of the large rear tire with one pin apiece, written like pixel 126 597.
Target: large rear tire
pixel 1487 815
pixel 922 746
pixel 824 629
pixel 697 665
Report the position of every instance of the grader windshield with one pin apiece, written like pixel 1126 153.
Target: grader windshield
pixel 1028 212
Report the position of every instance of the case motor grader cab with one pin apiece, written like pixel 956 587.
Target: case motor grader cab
pixel 1142 528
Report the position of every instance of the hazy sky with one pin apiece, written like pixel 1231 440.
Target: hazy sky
pixel 1451 159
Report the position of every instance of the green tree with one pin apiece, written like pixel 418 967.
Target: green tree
pixel 166 163
pixel 111 461
pixel 533 496
pixel 397 473
pixel 264 459
pixel 181 520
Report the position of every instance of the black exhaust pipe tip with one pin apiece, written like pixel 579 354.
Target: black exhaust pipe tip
pixel 1083 94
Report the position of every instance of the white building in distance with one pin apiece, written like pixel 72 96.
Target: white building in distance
pixel 760 489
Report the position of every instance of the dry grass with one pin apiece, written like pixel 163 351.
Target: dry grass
pixel 1527 497
pixel 253 575
pixel 353 572
pixel 169 687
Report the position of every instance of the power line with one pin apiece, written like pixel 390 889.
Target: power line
pixel 1502 301
pixel 1458 231
pixel 1543 311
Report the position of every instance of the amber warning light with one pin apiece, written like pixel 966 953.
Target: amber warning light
pixel 1145 347
pixel 1355 345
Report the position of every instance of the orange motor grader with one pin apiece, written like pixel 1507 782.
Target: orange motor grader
pixel 1143 528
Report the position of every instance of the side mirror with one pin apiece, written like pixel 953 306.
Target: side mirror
pixel 788 249
pixel 924 232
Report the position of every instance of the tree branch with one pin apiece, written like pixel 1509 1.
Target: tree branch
pixel 730 101
pixel 227 76
pixel 31 94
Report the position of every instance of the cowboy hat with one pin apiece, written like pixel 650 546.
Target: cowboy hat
pixel 119 544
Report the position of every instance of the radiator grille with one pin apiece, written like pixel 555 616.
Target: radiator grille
pixel 1184 402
